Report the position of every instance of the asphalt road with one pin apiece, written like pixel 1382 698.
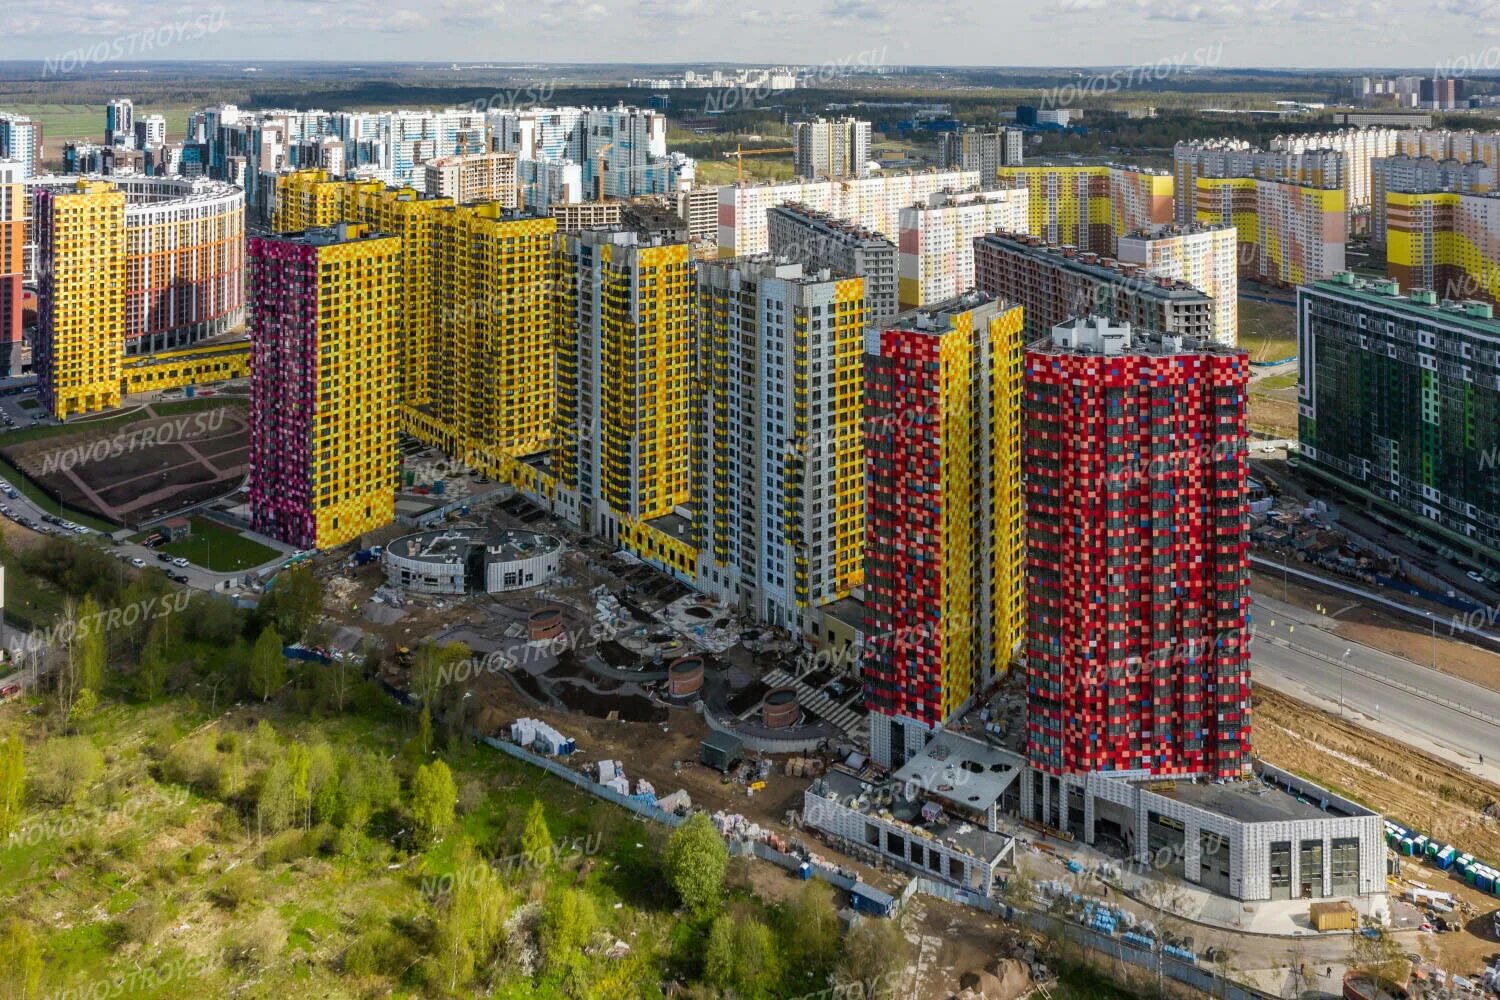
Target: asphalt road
pixel 1291 653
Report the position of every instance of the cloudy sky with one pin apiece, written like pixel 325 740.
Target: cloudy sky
pixel 1303 33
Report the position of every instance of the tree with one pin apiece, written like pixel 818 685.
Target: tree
pixel 82 660
pixel 12 784
pixel 741 957
pixel 810 926
pixel 433 798
pixel 432 669
pixel 696 859
pixel 470 926
pixel 215 620
pixel 536 839
pixel 874 952
pixel 293 603
pixel 568 922
pixel 267 665
pixel 322 783
pixel 276 805
pixel 151 675
pixel 1374 953
pixel 20 961
pixel 367 784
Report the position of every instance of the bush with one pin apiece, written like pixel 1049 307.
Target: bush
pixel 65 769
pixel 236 888
pixel 258 943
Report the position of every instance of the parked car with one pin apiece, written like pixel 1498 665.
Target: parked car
pixel 79 529
pixel 165 557
pixel 9 691
pixel 138 562
pixel 1476 577
pixel 180 562
pixel 178 577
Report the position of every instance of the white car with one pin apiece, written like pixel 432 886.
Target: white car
pixel 79 529
pixel 138 562
pixel 1476 577
pixel 179 562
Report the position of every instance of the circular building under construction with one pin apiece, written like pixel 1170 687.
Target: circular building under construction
pixel 471 560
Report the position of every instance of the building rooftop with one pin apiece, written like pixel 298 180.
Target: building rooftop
pixel 937 317
pixel 450 546
pixel 885 801
pixel 961 770
pixel 507 546
pixel 1258 800
pixel 1386 293
pixel 1098 335
pixel 679 527
pixel 1137 278
pixel 831 223
pixel 847 610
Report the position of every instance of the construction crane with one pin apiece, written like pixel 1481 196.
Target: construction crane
pixel 740 153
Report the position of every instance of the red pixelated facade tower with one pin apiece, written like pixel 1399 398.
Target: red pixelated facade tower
pixel 1137 568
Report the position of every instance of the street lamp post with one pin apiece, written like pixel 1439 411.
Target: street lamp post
pixel 1343 662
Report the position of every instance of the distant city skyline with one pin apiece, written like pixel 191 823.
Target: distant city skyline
pixel 1237 33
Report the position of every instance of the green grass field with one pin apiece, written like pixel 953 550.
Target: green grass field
pixel 1268 330
pixel 219 548
pixel 34 493
pixel 1283 381
pixel 61 122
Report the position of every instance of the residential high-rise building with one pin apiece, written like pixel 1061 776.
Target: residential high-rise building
pixel 699 208
pixel 1359 146
pixel 1206 257
pixel 119 122
pixel 778 472
pixel 1421 175
pixel 817 240
pixel 80 334
pixel 309 199
pixel 984 150
pixel 1445 242
pixel 467 179
pixel 872 202
pixel 944 543
pixel 14 221
pixel 1056 283
pixel 827 148
pixel 323 325
pixel 1091 207
pixel 573 216
pixel 618 152
pixel 1137 554
pixel 937 240
pixel 1400 406
pixel 1288 232
pixel 21 140
pixel 1199 161
pixel 183 262
pixel 150 130
pixel 492 341
pixel 545 183
pixel 625 390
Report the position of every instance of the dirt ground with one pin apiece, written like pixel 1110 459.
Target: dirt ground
pixel 1274 415
pixel 144 468
pixel 1384 631
pixel 1411 787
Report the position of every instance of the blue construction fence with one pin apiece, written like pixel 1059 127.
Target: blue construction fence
pixel 1204 979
